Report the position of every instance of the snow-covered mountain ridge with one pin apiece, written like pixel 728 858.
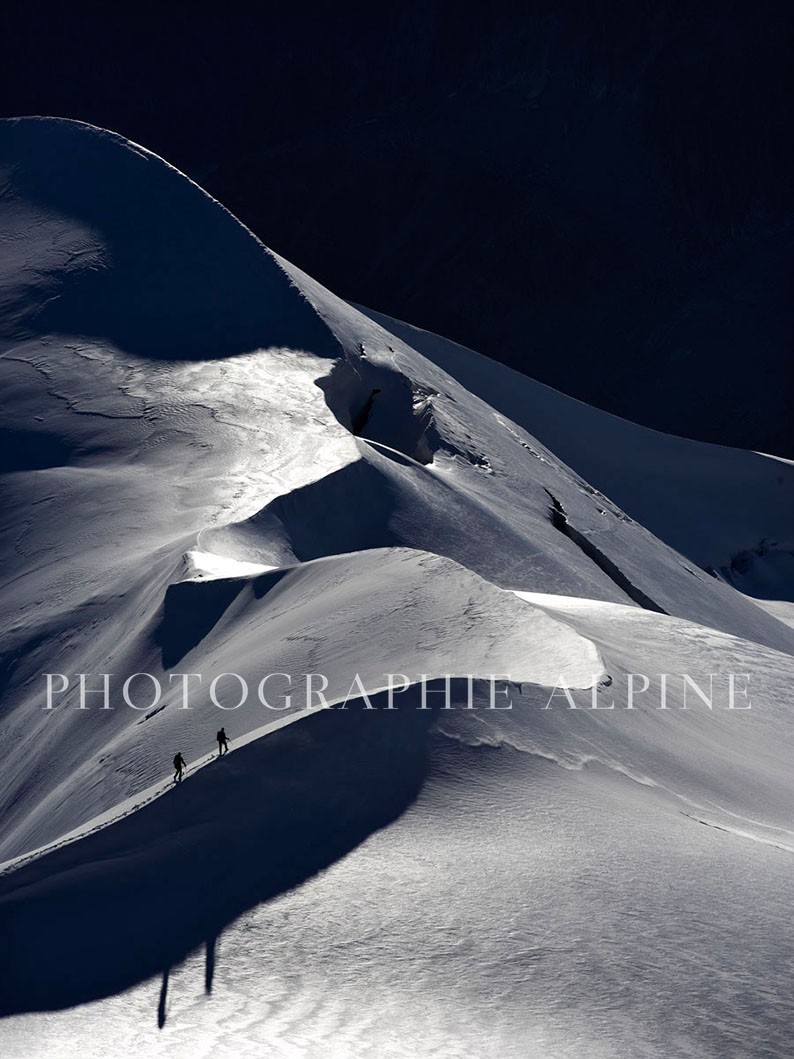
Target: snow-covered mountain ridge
pixel 214 465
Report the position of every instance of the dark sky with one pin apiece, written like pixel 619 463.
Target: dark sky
pixel 596 194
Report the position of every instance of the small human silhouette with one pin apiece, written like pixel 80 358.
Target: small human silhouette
pixel 223 742
pixel 179 767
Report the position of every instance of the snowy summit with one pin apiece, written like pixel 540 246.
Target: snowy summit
pixel 507 679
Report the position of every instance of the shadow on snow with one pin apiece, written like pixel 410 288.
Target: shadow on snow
pixel 130 901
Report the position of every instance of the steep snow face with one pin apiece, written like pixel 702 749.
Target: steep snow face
pixel 728 510
pixel 496 464
pixel 213 465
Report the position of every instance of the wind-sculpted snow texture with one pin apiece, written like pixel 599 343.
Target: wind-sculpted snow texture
pixel 213 465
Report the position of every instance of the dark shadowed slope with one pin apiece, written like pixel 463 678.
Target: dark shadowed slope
pixel 141 258
pixel 127 902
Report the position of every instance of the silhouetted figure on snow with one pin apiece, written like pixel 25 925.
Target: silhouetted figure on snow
pixel 179 767
pixel 223 742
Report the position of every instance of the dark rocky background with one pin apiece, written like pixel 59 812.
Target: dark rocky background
pixel 597 194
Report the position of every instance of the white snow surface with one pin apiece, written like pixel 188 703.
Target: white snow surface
pixel 728 510
pixel 214 465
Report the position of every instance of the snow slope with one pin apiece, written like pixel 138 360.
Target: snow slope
pixel 728 510
pixel 567 883
pixel 213 465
